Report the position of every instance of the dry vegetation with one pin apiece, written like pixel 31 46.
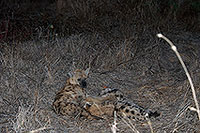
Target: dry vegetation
pixel 118 39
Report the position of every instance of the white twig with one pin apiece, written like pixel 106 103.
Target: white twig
pixel 37 130
pixel 192 109
pixel 129 123
pixel 173 47
pixel 150 125
pixel 114 125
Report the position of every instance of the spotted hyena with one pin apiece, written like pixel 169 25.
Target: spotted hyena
pixel 72 100
pixel 69 100
pixel 112 100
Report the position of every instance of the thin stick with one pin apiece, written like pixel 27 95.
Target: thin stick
pixel 132 127
pixel 46 126
pixel 150 125
pixel 38 130
pixel 114 125
pixel 173 47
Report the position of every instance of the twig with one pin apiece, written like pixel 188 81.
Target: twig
pixel 181 111
pixel 132 127
pixel 192 108
pixel 150 125
pixel 119 64
pixel 114 125
pixel 39 129
pixel 173 47
pixel 45 127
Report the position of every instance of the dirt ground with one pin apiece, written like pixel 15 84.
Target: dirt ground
pixel 122 53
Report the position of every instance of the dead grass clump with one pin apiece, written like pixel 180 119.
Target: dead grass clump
pixel 32 121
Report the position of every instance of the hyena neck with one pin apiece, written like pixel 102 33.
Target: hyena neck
pixel 69 82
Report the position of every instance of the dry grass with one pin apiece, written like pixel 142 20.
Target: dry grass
pixel 173 47
pixel 117 41
pixel 27 20
pixel 31 76
pixel 33 71
pixel 30 121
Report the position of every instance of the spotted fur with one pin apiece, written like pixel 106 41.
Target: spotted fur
pixel 100 107
pixel 69 100
pixel 73 101
pixel 112 100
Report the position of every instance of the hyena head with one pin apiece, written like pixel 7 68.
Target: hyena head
pixel 78 77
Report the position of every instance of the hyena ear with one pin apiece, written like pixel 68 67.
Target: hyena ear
pixel 87 71
pixel 70 74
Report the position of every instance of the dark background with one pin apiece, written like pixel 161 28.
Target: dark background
pixel 21 19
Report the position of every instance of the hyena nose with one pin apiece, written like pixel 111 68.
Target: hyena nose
pixel 83 84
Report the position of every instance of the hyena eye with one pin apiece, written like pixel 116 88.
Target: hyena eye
pixel 79 79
